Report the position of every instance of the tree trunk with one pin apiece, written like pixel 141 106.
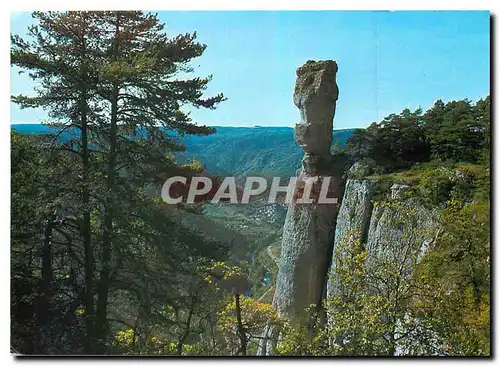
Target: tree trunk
pixel 104 282
pixel 87 243
pixel 185 334
pixel 241 330
pixel 45 293
pixel 86 226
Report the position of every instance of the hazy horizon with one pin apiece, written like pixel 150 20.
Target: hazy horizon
pixel 216 126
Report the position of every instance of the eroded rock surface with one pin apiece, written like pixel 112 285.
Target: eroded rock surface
pixel 392 226
pixel 316 93
pixel 308 230
pixel 398 225
pixel 353 219
pixel 361 168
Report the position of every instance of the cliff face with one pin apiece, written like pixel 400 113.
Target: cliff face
pixel 390 226
pixel 353 218
pixel 399 222
pixel 304 260
pixel 356 208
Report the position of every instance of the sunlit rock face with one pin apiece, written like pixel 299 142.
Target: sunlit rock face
pixel 399 225
pixel 315 96
pixel 308 230
pixel 353 219
pixel 387 221
pixel 361 168
pixel 391 225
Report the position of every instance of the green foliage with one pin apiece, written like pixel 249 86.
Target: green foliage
pixel 401 301
pixel 460 183
pixel 300 341
pixel 242 151
pixel 396 142
pixel 355 314
pixel 436 186
pixel 457 131
pixel 114 81
pixel 455 280
pixel 255 316
pixel 367 303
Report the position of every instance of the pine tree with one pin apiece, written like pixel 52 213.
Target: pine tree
pixel 61 57
pixel 121 84
pixel 141 85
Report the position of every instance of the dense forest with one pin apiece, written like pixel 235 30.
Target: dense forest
pixel 101 265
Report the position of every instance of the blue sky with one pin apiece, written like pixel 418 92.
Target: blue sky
pixel 387 61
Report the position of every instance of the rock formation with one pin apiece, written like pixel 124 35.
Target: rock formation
pixel 398 224
pixel 353 218
pixel 389 223
pixel 315 95
pixel 393 227
pixel 386 225
pixel 308 230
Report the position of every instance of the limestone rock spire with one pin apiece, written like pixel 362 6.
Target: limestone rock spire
pixel 308 230
pixel 315 95
pixel 307 242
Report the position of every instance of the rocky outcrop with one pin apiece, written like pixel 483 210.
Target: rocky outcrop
pixel 394 229
pixel 307 242
pixel 309 227
pixel 316 93
pixel 354 213
pixel 361 168
pixel 386 226
pixel 353 218
pixel 399 222
pixel 308 230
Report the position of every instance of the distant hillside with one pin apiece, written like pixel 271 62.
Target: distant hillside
pixel 246 150
pixel 32 128
pixel 236 150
